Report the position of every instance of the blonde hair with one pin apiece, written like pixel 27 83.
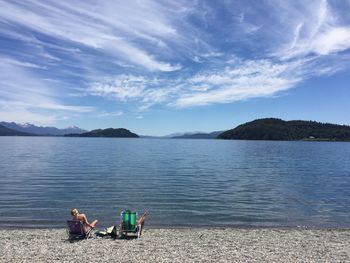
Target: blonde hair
pixel 74 211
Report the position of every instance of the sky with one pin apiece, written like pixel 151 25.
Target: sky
pixel 159 67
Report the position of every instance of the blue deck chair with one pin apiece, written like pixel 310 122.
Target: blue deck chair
pixel 75 230
pixel 128 224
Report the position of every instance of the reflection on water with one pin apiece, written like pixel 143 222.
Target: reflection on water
pixel 182 183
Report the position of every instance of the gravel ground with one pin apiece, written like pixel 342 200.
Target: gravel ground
pixel 180 245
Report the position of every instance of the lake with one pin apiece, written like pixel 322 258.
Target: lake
pixel 181 182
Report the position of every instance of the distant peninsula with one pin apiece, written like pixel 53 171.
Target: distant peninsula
pixel 277 129
pixel 110 132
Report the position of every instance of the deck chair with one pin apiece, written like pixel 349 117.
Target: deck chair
pixel 128 224
pixel 75 230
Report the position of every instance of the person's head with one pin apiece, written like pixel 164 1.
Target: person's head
pixel 74 211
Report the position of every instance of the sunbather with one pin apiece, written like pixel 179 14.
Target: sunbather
pixel 141 221
pixel 130 224
pixel 82 217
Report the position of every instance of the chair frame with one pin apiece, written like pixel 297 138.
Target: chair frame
pixel 81 235
pixel 124 232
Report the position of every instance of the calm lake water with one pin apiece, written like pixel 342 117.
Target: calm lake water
pixel 182 183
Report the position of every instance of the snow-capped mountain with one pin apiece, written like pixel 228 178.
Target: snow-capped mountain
pixel 40 130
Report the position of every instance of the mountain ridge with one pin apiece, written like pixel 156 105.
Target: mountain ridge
pixel 259 129
pixel 4 131
pixel 199 135
pixel 41 130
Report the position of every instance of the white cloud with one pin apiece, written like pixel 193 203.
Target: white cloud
pixel 235 80
pixel 150 52
pixel 23 116
pixel 102 26
pixel 212 54
pixel 21 63
pixel 334 40
pixel 146 90
pixel 201 87
pixel 250 79
pixel 49 56
pixel 315 30
pixel 159 94
pixel 122 87
pixel 247 79
pixel 110 114
pixel 23 95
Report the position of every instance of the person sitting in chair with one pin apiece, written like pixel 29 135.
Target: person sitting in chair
pixel 130 224
pixel 141 221
pixel 82 217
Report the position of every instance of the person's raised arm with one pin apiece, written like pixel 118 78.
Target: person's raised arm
pixel 85 221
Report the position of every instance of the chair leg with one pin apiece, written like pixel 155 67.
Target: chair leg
pixel 139 230
pixel 89 233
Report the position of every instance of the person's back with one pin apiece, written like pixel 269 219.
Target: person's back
pixel 82 217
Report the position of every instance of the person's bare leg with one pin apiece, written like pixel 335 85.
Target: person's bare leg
pixel 142 219
pixel 94 223
pixel 90 227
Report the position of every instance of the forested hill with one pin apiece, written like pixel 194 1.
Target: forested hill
pixel 277 129
pixel 110 132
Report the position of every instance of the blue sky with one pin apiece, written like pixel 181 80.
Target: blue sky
pixel 158 67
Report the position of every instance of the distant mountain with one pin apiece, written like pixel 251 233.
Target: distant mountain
pixel 199 135
pixel 151 137
pixel 4 131
pixel 177 134
pixel 277 129
pixel 40 130
pixel 110 132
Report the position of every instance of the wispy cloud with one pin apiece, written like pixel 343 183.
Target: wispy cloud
pixel 101 26
pixel 245 80
pixel 145 90
pixel 60 57
pixel 122 87
pixel 316 30
pixel 23 95
pixel 110 114
pixel 249 79
pixel 22 63
pixel 23 115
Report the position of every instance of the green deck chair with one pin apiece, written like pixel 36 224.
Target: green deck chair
pixel 129 224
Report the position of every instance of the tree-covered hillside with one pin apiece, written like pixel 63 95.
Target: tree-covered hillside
pixel 277 129
pixel 110 132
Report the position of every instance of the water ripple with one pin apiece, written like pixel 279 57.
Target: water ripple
pixel 181 182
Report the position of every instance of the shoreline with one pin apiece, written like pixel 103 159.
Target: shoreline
pixel 181 245
pixel 219 228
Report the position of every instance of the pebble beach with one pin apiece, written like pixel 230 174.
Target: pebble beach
pixel 180 245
